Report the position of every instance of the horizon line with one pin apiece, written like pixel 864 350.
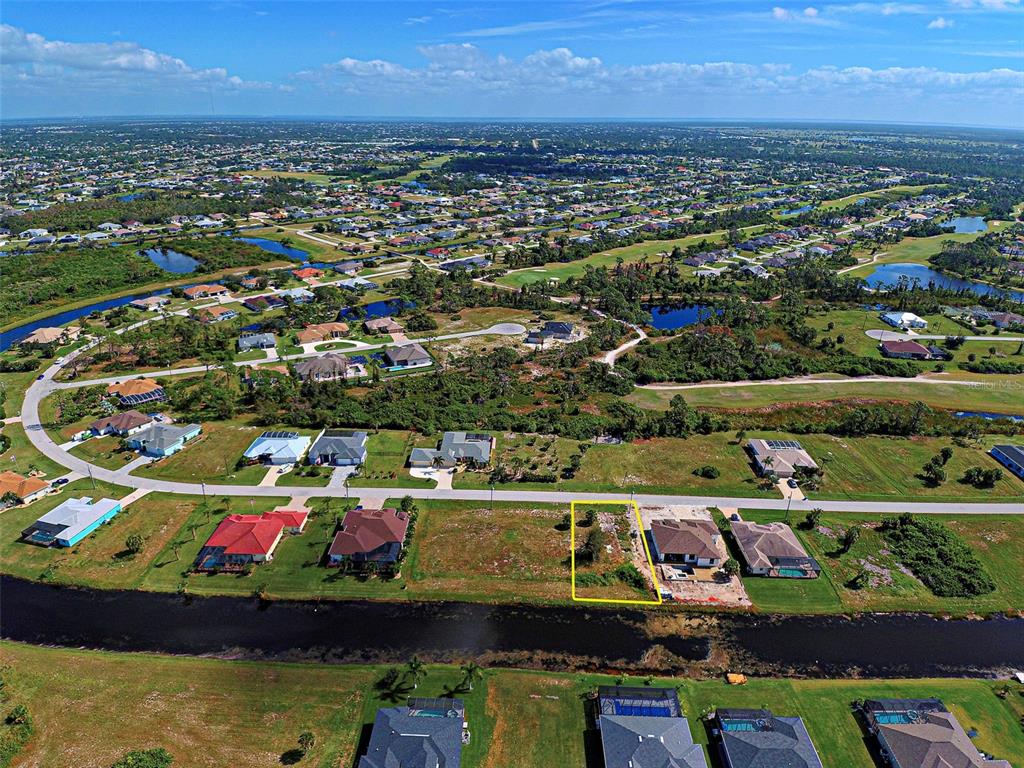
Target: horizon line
pixel 533 119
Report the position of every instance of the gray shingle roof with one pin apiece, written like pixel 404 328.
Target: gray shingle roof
pixel 333 443
pixel 782 742
pixel 649 742
pixel 402 739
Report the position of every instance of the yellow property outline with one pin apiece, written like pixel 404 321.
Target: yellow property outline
pixel 650 562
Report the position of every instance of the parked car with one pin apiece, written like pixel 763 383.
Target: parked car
pixel 59 482
pixel 792 483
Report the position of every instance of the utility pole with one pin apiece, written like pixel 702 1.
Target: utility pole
pixel 91 478
pixel 492 497
pixel 203 484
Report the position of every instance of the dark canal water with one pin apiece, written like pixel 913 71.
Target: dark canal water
pixel 170 260
pixel 360 631
pixel 273 246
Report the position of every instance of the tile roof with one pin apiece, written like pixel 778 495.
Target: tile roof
pixel 686 537
pixel 365 530
pixel 759 543
pixel 247 534
pixel 20 486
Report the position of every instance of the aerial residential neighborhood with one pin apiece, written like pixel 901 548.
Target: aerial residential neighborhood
pixel 619 384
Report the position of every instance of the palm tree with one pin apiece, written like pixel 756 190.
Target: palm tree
pixel 415 670
pixel 471 671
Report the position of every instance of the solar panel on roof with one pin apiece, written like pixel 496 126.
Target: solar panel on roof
pixel 778 445
pixel 278 435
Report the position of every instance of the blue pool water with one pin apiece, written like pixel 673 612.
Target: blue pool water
pixel 967 224
pixel 171 261
pixel 890 274
pixel 273 246
pixel 671 317
pixel 801 209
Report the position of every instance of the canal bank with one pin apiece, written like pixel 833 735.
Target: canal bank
pixel 880 645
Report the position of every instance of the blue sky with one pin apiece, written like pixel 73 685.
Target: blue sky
pixel 943 61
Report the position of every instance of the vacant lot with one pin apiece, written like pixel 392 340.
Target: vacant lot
pixel 469 550
pixel 387 453
pixel 91 707
pixel 990 394
pixel 23 458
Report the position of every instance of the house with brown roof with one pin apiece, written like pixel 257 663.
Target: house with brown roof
pixel 218 314
pixel 312 334
pixel 369 536
pixel 121 424
pixel 24 489
pixel 382 325
pixel 922 733
pixel 904 350
pixel 329 367
pixel 695 543
pixel 772 549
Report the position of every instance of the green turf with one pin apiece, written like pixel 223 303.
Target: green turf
pixel 89 707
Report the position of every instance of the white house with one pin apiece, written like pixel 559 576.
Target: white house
pixel 904 320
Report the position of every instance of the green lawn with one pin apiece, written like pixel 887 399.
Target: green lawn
pixel 992 395
pixel 13 385
pixel 237 712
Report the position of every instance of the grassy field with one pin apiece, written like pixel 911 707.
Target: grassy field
pixel 90 707
pixel 13 385
pixel 997 541
pixel 628 253
pixel 999 395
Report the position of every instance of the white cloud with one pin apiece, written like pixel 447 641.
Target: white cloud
pixel 987 5
pixel 809 15
pixel 940 23
pixel 464 73
pixel 413 20
pixel 31 59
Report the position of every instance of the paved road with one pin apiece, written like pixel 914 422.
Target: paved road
pixel 499 329
pixel 894 335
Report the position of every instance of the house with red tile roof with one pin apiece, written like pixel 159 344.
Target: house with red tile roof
pixel 203 291
pixel 241 540
pixel 369 536
pixel 307 273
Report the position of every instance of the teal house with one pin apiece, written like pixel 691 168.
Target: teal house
pixel 70 522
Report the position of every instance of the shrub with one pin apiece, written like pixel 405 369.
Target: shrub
pixel 937 556
pixel 708 471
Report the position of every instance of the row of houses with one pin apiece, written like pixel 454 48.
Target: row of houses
pixel 645 728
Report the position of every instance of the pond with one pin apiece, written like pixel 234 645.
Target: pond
pixel 130 197
pixel 801 209
pixel 273 246
pixel 666 317
pixel 171 261
pixel 890 274
pixel 383 308
pixel 987 415
pixel 882 645
pixel 967 224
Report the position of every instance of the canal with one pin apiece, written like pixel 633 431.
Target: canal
pixel 534 636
